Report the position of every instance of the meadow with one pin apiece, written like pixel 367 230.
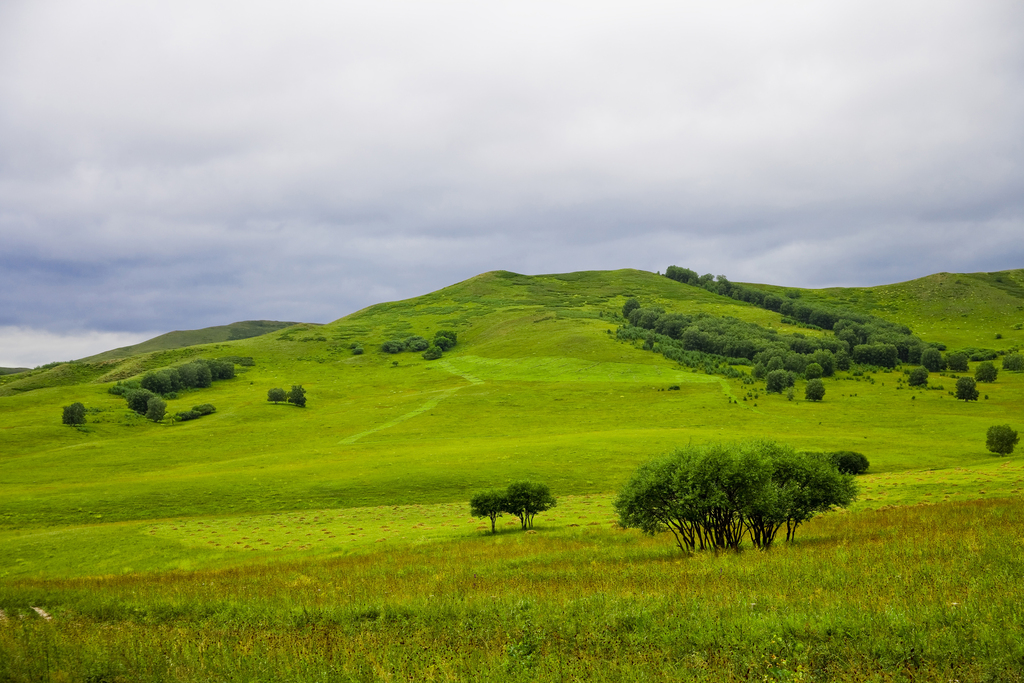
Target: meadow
pixel 268 542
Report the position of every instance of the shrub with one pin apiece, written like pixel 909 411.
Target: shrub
pixel 120 388
pixel 276 395
pixel 138 399
pixel 986 372
pixel 631 305
pixel 1013 362
pixel 74 415
pixel 850 462
pixel 187 415
pixel 1001 439
pixel 931 359
pixel 815 390
pixel 416 343
pixel 204 409
pixel 957 362
pixel 357 350
pixel 966 389
pixel 813 371
pixel 778 381
pixel 918 377
pixel 432 353
pixel 156 408
pixel 297 396
pixel 393 346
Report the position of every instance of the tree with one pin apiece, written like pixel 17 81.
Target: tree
pixel 778 381
pixel 416 343
pixel 931 358
pixel 393 346
pixel 525 499
pixel 138 399
pixel 815 390
pixel 1001 439
pixel 445 339
pixel 986 372
pixel 432 353
pixel 74 415
pixel 297 396
pixel 156 407
pixel 813 371
pixel 966 389
pixel 276 395
pixel 631 304
pixel 850 462
pixel 488 504
pixel 957 362
pixel 1013 362
pixel 918 377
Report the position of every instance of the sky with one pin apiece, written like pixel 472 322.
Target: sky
pixel 178 165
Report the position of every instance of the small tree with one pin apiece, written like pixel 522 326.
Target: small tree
pixel 74 415
pixel 1001 439
pixel 525 499
pixel 931 358
pixel 488 504
pixel 986 372
pixel 813 371
pixel 631 305
pixel 432 353
pixel 445 339
pixel 1013 362
pixel 156 407
pixel 850 462
pixel 276 395
pixel 957 362
pixel 815 390
pixel 966 389
pixel 918 377
pixel 138 399
pixel 297 396
pixel 778 381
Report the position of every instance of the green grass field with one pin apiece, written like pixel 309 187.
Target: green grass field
pixel 115 528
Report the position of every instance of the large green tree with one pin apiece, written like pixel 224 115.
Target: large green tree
pixel 1013 362
pixel 931 358
pixel 986 372
pixel 525 499
pixel 156 408
pixel 966 389
pixel 297 396
pixel 276 395
pixel 918 377
pixel 815 390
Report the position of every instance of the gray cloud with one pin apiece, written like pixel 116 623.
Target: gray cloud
pixel 171 166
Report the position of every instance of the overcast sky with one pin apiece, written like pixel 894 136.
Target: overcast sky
pixel 175 165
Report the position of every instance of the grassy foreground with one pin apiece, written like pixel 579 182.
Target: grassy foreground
pixel 921 593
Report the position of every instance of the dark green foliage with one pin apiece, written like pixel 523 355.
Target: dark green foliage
pixel 957 362
pixel 196 375
pixel 276 395
pixel 220 369
pixel 74 415
pixel 445 339
pixel 488 504
pixel 393 346
pixel 850 462
pixel 778 381
pixel 448 334
pixel 525 499
pixel 187 415
pixel 156 407
pixel 120 388
pixel 932 360
pixel 918 377
pixel 826 360
pixel 432 353
pixel 163 381
pixel 297 396
pixel 815 390
pixel 138 399
pixel 416 343
pixel 357 350
pixel 631 305
pixel 710 497
pixel 204 409
pixel 813 371
pixel 986 372
pixel 1013 362
pixel 842 360
pixel 1001 439
pixel 966 389
pixel 684 275
pixel 880 355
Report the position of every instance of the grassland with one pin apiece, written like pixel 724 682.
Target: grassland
pixel 333 542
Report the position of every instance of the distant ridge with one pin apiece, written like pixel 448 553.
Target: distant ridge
pixel 12 371
pixel 182 338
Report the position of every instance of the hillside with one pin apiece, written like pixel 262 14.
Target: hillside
pixel 182 338
pixel 312 536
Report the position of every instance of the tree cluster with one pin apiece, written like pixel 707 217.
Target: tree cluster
pixel 714 496
pixel 195 413
pixel 432 350
pixel 522 499
pixel 297 395
pixel 198 374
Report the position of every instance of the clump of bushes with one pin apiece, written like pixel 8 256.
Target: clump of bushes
pixel 432 350
pixel 297 396
pixel 196 412
pixel 850 462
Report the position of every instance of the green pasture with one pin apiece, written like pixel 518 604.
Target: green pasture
pixel 374 474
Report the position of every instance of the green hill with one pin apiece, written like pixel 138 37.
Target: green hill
pixel 315 535
pixel 182 338
pixel 12 371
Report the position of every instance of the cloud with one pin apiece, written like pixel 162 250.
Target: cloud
pixel 24 347
pixel 177 166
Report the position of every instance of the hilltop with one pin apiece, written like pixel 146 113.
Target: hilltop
pixel 182 338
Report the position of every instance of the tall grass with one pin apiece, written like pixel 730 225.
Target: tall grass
pixel 917 593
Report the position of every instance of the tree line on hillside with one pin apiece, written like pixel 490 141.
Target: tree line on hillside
pixel 432 350
pixel 148 396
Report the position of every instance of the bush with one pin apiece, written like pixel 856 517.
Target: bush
pixel 432 353
pixel 138 399
pixel 156 408
pixel 778 381
pixel 450 339
pixel 204 409
pixel 957 362
pixel 357 350
pixel 74 415
pixel 918 377
pixel 187 415
pixel 416 343
pixel 276 395
pixel 393 346
pixel 297 396
pixel 849 462
pixel 815 390
pixel 813 371
pixel 1013 362
pixel 120 388
pixel 631 305
pixel 1001 439
pixel 986 372
pixel 931 359
pixel 966 389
